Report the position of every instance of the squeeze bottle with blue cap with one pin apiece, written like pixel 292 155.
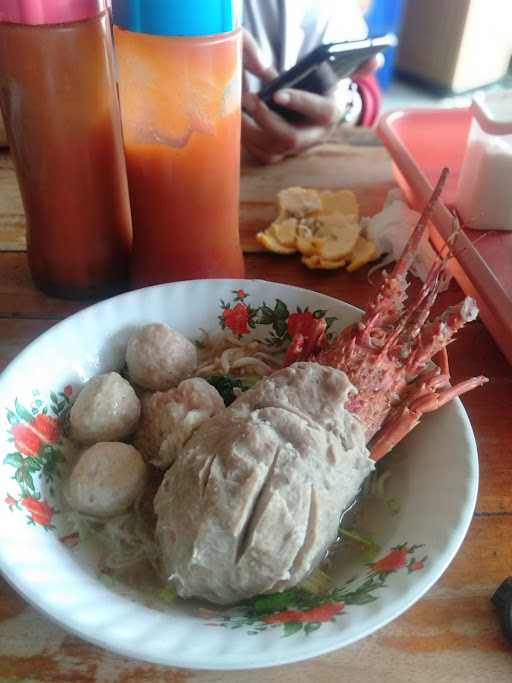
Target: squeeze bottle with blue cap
pixel 180 88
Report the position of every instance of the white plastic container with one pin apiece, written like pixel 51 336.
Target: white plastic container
pixel 484 193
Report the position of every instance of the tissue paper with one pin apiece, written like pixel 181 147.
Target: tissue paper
pixel 390 230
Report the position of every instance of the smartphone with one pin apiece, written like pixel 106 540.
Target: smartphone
pixel 321 70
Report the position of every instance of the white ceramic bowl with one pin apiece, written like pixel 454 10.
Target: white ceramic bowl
pixel 434 480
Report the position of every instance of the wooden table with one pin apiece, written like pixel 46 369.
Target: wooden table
pixel 452 634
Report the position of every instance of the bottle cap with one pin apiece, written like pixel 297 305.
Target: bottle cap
pixel 177 17
pixel 38 12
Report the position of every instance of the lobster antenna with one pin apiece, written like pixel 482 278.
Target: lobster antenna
pixel 405 261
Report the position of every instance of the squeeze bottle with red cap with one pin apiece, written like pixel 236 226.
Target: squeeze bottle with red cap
pixel 59 100
pixel 180 87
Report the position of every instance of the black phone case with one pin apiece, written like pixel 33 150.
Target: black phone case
pixel 322 69
pixel 320 80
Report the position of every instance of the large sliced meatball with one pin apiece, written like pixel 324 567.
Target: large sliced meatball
pixel 253 502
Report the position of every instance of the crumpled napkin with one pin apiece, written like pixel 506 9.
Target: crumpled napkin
pixel 391 228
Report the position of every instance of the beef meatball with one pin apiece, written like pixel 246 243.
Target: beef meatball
pixel 253 501
pixel 170 418
pixel 158 358
pixel 106 480
pixel 106 409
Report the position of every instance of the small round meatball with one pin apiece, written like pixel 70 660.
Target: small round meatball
pixel 159 358
pixel 106 480
pixel 106 409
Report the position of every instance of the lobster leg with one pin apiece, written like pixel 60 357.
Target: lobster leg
pixel 427 400
pixel 437 334
pixel 307 342
pixel 442 361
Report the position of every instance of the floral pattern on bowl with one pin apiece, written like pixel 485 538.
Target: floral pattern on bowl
pixel 241 317
pixel 36 435
pixel 297 610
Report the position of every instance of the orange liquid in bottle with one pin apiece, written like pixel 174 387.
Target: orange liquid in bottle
pixel 60 106
pixel 181 116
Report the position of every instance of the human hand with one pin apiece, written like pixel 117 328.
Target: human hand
pixel 270 138
pixel 265 134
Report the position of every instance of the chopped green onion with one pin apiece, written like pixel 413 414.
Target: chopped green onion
pixel 226 385
pixel 318 583
pixel 372 549
pixel 107 579
pixel 249 381
pixel 380 483
pixel 393 506
pixel 168 594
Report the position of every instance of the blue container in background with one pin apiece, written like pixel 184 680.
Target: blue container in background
pixel 385 16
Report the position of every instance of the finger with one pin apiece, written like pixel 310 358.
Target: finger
pixel 254 141
pixel 371 65
pixel 265 157
pixel 258 142
pixel 251 133
pixel 253 137
pixel 270 132
pixel 249 102
pixel 318 109
pixel 287 138
pixel 279 135
pixel 253 59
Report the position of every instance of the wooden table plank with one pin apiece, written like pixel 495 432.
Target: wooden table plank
pixel 12 217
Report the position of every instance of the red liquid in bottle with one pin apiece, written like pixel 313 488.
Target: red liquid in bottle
pixel 60 106
pixel 180 101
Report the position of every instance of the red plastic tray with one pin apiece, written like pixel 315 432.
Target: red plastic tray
pixel 421 142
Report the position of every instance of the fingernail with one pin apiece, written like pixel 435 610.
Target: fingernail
pixel 270 73
pixel 282 97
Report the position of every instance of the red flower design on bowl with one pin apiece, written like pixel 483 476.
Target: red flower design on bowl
pixel 237 319
pixel 39 510
pixel 47 427
pixel 319 614
pixel 26 440
pixel 395 559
